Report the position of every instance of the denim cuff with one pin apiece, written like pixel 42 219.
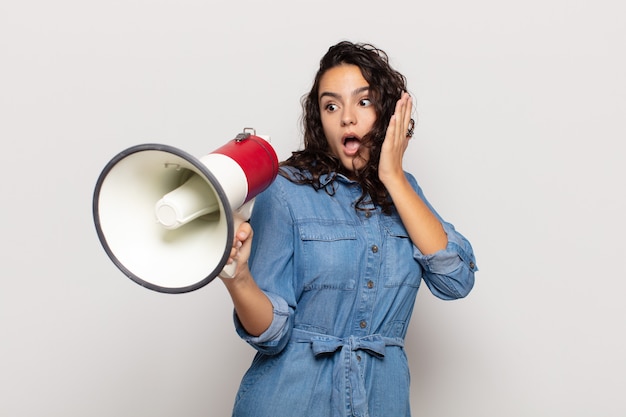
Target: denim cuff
pixel 270 337
pixel 448 260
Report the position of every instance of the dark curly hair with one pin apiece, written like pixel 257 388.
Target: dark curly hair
pixel 386 86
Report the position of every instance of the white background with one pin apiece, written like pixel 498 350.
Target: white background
pixel 522 111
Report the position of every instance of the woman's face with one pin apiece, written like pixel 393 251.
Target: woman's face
pixel 346 113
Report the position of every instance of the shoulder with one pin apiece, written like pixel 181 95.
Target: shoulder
pixel 287 181
pixel 283 188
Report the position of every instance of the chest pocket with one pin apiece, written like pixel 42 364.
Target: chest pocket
pixel 400 266
pixel 330 256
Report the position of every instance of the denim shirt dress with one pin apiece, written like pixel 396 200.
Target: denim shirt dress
pixel 342 284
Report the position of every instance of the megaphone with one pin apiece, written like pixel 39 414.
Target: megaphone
pixel 167 219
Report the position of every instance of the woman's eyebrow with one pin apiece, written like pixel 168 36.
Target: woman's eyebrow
pixel 337 96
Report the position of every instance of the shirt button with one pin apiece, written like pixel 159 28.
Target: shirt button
pixel 471 265
pixel 358 358
pixel 363 324
pixel 368 214
pixel 374 248
pixel 370 284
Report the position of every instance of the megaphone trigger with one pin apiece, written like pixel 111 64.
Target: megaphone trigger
pixel 239 217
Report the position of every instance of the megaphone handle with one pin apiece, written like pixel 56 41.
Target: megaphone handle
pixel 239 216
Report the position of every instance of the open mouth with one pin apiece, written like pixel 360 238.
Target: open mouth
pixel 351 144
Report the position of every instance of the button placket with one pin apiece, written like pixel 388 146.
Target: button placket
pixel 367 298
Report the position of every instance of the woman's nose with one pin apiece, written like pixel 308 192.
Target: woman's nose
pixel 348 118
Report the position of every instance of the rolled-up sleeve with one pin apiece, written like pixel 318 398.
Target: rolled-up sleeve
pixel 449 273
pixel 274 339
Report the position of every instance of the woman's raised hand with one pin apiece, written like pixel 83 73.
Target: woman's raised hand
pixel 399 132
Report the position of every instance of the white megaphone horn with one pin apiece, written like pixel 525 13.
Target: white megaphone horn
pixel 167 219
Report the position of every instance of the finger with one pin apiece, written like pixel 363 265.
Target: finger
pixel 400 120
pixel 392 136
pixel 233 255
pixel 241 243
pixel 403 114
pixel 243 233
pixel 408 122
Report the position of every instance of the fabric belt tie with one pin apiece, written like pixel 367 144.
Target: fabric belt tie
pixel 348 385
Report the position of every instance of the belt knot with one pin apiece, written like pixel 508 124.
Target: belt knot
pixel 373 344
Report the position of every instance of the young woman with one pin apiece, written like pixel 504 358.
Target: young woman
pixel 342 240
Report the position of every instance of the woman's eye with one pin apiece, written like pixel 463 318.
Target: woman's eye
pixel 331 107
pixel 365 102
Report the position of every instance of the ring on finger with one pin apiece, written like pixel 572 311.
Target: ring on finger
pixel 411 129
